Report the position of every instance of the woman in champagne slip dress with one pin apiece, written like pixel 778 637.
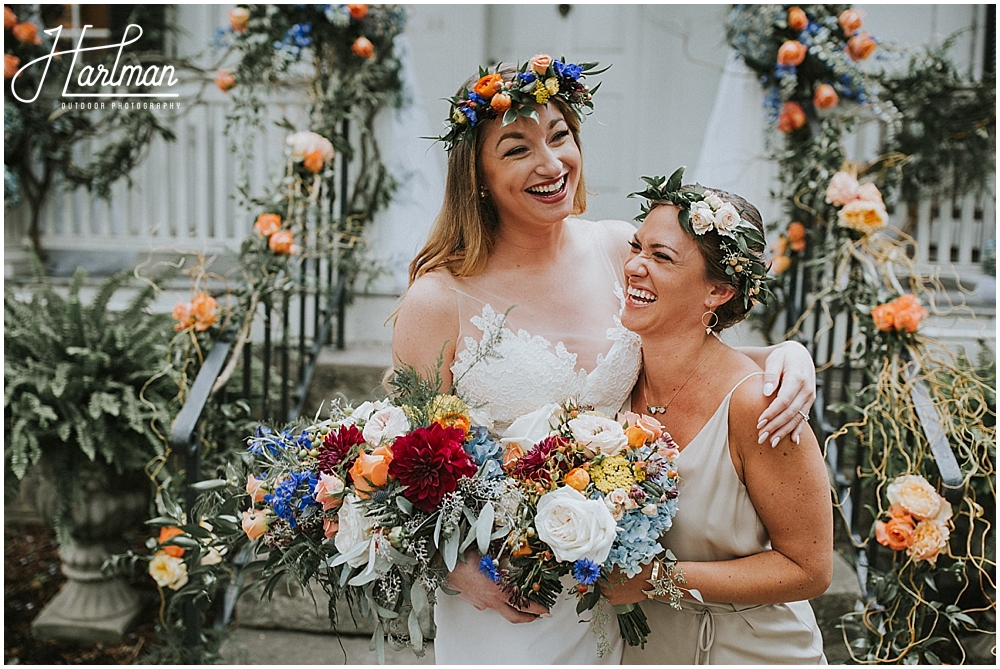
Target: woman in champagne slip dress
pixel 753 533
pixel 507 242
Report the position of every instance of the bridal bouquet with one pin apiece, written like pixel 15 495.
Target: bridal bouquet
pixel 598 494
pixel 379 502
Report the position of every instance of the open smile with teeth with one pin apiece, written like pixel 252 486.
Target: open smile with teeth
pixel 549 189
pixel 641 296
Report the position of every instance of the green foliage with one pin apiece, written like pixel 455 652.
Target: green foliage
pixel 82 383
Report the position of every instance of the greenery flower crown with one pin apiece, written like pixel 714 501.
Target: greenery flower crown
pixel 536 82
pixel 702 210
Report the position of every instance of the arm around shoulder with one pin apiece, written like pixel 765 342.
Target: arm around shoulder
pixel 427 327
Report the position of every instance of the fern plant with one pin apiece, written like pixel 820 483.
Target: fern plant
pixel 83 384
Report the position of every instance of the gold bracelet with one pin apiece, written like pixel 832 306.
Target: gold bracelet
pixel 666 585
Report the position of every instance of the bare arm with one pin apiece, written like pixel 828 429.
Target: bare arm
pixel 789 368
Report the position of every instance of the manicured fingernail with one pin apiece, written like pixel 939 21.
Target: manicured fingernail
pixel 796 439
pixel 768 389
pixel 763 436
pixel 774 442
pixel 761 423
pixel 544 615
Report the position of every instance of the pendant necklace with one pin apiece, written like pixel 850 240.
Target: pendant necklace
pixel 654 409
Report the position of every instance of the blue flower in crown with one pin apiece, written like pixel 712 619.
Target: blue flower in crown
pixel 526 77
pixel 571 70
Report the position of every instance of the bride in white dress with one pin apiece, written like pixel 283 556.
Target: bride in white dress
pixel 508 240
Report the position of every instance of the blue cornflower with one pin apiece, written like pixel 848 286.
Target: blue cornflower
pixel 526 77
pixel 283 501
pixel 477 98
pixel 488 568
pixel 785 71
pixel 586 571
pixel 304 440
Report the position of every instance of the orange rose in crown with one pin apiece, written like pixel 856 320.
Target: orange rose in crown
pixel 797 19
pixel 267 224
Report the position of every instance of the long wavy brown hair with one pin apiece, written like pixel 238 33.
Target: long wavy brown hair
pixel 465 229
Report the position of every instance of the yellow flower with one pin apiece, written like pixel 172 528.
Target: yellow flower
pixel 613 472
pixel 541 93
pixel 552 85
pixel 168 571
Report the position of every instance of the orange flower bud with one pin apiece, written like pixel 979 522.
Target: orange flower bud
pixel 26 32
pixel 850 21
pixel 792 117
pixel 313 161
pixel 825 97
pixel 267 224
pixel 500 103
pixel 11 64
pixel 577 478
pixel 357 12
pixel 282 242
pixel 9 18
pixel 797 19
pixel 225 80
pixel 363 48
pixel 861 46
pixel 168 533
pixel 797 236
pixel 792 52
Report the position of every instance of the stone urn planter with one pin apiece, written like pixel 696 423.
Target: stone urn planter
pixel 92 607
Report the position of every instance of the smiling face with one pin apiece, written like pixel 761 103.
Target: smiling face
pixel 667 283
pixel 531 169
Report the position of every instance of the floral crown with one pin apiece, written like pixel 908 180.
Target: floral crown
pixel 702 210
pixel 536 82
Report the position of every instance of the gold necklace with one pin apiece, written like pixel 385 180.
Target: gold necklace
pixel 654 409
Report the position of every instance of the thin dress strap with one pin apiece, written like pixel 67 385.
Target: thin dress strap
pixel 752 374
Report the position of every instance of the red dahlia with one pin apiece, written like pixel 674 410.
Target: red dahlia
pixel 429 462
pixel 336 446
pixel 536 463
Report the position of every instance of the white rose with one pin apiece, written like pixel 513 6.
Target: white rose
pixel 618 496
pixel 649 510
pixel 303 143
pixel 575 527
pixel 384 425
pixel 916 495
pixel 727 219
pixel 702 218
pixel 365 411
pixel 355 528
pixel 598 434
pixel 714 201
pixel 531 428
pixel 168 571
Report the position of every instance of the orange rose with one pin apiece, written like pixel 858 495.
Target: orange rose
pixel 371 471
pixel 26 32
pixel 908 319
pixel 897 534
pixel 168 533
pixel 884 316
pixel 797 236
pixel 792 52
pixel 636 436
pixel 488 86
pixel 313 161
pixel 540 63
pixel 11 64
pixel 861 46
pixel 825 97
pixel 254 524
pixel 500 103
pixel 850 21
pixel 255 488
pixel 238 19
pixel 792 117
pixel 511 455
pixel 9 18
pixel 797 19
pixel 900 512
pixel 863 216
pixel 329 491
pixel 363 48
pixel 184 314
pixel 330 527
pixel 267 224
pixel 282 242
pixel 203 308
pixel 225 80
pixel 780 265
pixel 357 12
pixel 577 478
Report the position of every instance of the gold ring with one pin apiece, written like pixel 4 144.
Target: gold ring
pixel 805 417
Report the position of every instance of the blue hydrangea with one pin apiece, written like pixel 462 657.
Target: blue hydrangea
pixel 571 70
pixel 484 450
pixel 586 572
pixel 488 568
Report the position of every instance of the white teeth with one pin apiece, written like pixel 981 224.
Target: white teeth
pixel 641 294
pixel 551 188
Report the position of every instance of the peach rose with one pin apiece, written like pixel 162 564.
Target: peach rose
pixel 540 63
pixel 330 527
pixel 897 533
pixel 9 18
pixel 26 32
pixel 869 192
pixel 357 12
pixel 843 188
pixel 850 21
pixel 168 571
pixel 238 19
pixel 254 523
pixel 797 236
pixel 792 53
pixel 488 86
pixel 329 491
pixel 500 103
pixel 884 316
pixel 865 217
pixel 861 46
pixel 797 19
pixel 512 453
pixel 914 494
pixel 184 314
pixel 780 265
pixel 302 144
pixel 255 488
pixel 825 97
pixel 780 246
pixel 267 224
pixel 313 161
pixel 371 471
pixel 363 48
pixel 792 117
pixel 225 80
pixel 168 533
pixel 577 478
pixel 908 315
pixel 203 308
pixel 929 539
pixel 282 242
pixel 11 64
